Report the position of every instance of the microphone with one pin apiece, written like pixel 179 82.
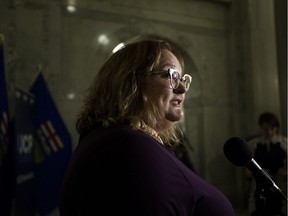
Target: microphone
pixel 239 153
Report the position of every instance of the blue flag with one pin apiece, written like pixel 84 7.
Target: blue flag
pixel 3 107
pixel 5 181
pixel 53 148
pixel 24 190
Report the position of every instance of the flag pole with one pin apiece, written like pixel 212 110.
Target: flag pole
pixel 2 38
pixel 39 68
pixel 41 71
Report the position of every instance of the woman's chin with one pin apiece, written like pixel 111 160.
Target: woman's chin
pixel 174 117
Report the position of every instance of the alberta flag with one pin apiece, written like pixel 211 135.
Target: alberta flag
pixel 5 181
pixel 53 148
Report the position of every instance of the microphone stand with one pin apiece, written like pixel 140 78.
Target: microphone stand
pixel 263 194
pixel 260 200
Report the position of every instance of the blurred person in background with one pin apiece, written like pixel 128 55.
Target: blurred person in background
pixel 270 152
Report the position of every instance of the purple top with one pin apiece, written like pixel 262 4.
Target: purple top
pixel 120 171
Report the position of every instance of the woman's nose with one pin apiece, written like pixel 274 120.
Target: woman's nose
pixel 180 89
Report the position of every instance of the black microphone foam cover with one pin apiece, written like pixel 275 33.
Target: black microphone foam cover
pixel 237 151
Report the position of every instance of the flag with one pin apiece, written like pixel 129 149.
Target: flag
pixel 24 130
pixel 3 107
pixel 53 148
pixel 5 183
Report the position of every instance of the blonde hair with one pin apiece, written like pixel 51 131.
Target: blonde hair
pixel 116 93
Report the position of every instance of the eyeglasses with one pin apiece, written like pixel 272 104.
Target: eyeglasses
pixel 174 77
